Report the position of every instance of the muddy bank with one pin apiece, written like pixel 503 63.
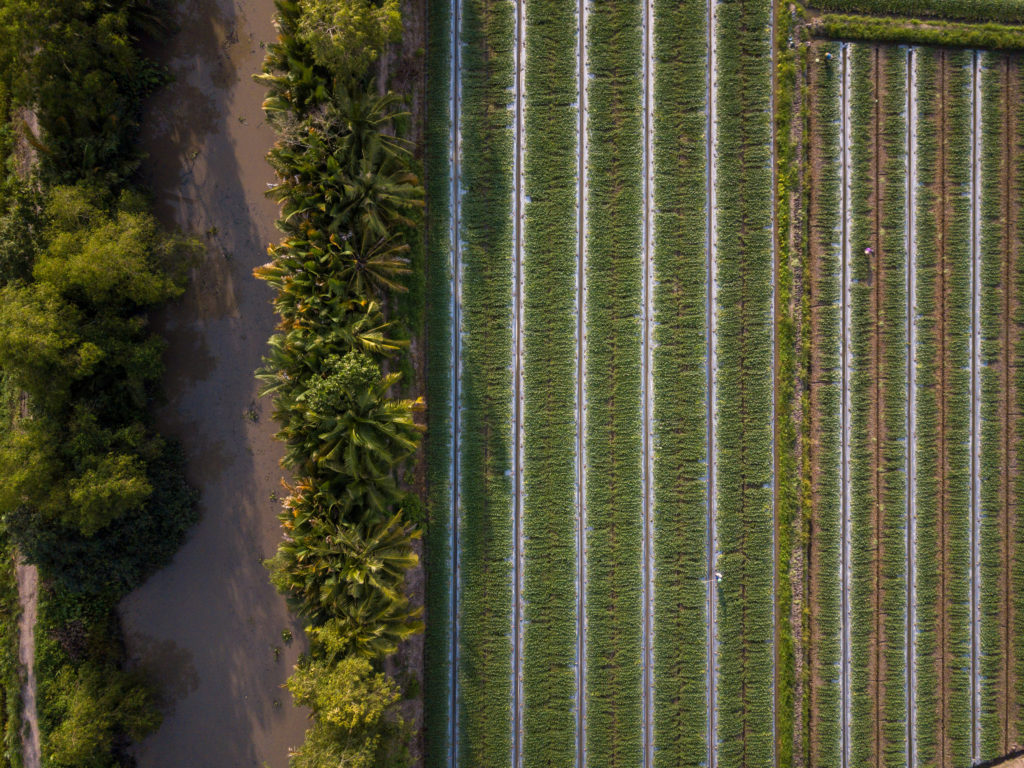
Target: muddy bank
pixel 209 626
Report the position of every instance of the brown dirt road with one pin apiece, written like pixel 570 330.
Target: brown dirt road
pixel 207 626
pixel 28 590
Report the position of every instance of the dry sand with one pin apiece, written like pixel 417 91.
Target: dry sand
pixel 207 625
pixel 28 591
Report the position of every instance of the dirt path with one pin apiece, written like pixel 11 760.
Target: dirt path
pixel 28 585
pixel 209 627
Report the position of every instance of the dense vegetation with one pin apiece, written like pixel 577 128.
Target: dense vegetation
pixel 551 249
pixel 614 426
pixel 680 382
pixel 349 198
pixel 909 31
pixel 823 467
pixel 745 485
pixel 1006 11
pixel 878 386
pixel 943 417
pixel 91 493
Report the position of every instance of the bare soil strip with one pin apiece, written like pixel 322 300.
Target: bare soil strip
pixel 581 393
pixel 456 459
pixel 28 592
pixel 846 542
pixel 517 406
pixel 712 343
pixel 648 389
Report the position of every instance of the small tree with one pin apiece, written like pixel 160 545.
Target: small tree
pixel 347 36
pixel 356 722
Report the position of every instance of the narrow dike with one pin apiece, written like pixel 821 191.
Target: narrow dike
pixel 582 173
pixel 455 375
pixel 845 417
pixel 647 393
pixel 517 394
pixel 911 551
pixel 975 597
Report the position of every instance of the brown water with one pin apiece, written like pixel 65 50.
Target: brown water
pixel 207 626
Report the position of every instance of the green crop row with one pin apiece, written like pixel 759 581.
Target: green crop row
pixel 549 374
pixel 744 500
pixel 614 484
pixel 680 382
pixel 788 62
pixel 825 378
pixel 1007 11
pixel 438 443
pixel 915 32
pixel 878 382
pixel 485 537
pixel 943 408
pixel 995 255
pixel 1016 546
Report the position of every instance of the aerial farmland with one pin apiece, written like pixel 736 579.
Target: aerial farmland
pixel 725 398
pixel 512 383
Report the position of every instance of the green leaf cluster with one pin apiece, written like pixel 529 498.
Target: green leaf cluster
pixel 349 198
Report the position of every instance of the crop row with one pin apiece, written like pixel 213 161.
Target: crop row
pixel 550 384
pixel 994 357
pixel 437 670
pixel 1000 479
pixel 1007 11
pixel 680 381
pixel 613 368
pixel 943 409
pixel 878 381
pixel 485 535
pixel 744 480
pixel 824 286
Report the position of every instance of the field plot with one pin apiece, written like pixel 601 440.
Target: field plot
pixel 603 448
pixel 914 271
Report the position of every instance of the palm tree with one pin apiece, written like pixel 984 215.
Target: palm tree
pixel 325 562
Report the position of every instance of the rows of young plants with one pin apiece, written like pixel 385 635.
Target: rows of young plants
pixel 439 167
pixel 943 408
pixel 744 384
pixel 486 462
pixel 613 365
pixel 996 257
pixel 823 292
pixel 550 342
pixel 1006 11
pixel 877 267
pixel 680 382
pixel 349 205
pixel 1000 407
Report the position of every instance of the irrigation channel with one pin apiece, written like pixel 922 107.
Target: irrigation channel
pixel 604 247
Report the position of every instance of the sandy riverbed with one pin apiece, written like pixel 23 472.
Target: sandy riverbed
pixel 208 625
